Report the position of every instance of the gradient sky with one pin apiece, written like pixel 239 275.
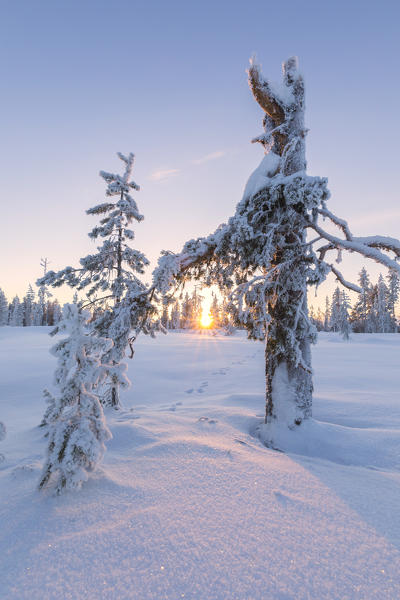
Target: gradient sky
pixel 82 80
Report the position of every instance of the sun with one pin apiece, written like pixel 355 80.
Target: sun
pixel 206 320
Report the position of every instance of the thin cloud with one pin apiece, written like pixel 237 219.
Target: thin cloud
pixel 208 157
pixel 162 174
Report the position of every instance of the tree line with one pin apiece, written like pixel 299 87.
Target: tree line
pixel 30 310
pixel 373 311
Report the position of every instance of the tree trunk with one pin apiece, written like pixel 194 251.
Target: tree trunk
pixel 288 375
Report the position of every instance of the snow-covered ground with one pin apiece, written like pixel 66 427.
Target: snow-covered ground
pixel 188 503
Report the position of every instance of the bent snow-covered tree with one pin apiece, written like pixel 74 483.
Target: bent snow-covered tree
pixel 263 256
pixel 122 302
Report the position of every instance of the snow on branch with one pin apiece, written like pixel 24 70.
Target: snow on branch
pixel 370 247
pixel 263 94
pixel 344 282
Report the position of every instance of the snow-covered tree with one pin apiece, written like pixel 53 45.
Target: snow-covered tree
pixel 380 307
pixel 263 254
pixel 363 305
pixel 186 312
pixel 3 308
pixel 215 311
pixel 40 317
pixel 111 276
pixel 344 322
pixel 165 317
pixel 335 310
pixel 174 322
pixel 28 307
pixel 393 289
pixel 327 314
pixel 16 313
pixel 74 418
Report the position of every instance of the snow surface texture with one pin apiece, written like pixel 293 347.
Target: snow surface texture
pixel 188 503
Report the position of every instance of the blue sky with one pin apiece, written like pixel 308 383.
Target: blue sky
pixel 166 80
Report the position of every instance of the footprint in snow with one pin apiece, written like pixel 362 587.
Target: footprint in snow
pixel 190 391
pixel 202 387
pixel 174 406
pixel 222 371
pixel 207 420
pixel 282 498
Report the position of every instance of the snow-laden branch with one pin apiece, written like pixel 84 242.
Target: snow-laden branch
pixel 344 282
pixel 370 247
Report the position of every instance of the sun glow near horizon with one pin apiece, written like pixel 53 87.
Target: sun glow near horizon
pixel 206 320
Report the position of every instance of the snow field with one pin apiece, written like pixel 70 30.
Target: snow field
pixel 188 502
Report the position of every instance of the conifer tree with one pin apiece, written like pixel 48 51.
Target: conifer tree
pixel 175 316
pixel 393 289
pixel 215 311
pixel 363 304
pixel 327 314
pixel 27 308
pixel 3 308
pixel 381 310
pixel 110 277
pixel 74 418
pixel 263 257
pixel 335 310
pixel 16 313
pixel 344 323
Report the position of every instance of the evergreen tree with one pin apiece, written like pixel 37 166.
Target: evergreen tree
pixel 43 296
pixel 382 313
pixel 111 275
pixel 263 257
pixel 393 285
pixel 164 316
pixel 344 323
pixel 336 310
pixel 215 311
pixel 28 308
pixel 74 419
pixel 16 313
pixel 362 308
pixel 174 322
pixel 3 308
pixel 186 312
pixel 327 314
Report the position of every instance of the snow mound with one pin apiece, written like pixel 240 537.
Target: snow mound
pixel 371 448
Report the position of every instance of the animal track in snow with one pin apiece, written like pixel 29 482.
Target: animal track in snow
pixel 222 371
pixel 207 420
pixel 202 387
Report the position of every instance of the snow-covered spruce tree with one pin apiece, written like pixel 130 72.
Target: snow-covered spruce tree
pixel 263 256
pixel 74 418
pixel 40 317
pixel 174 322
pixel 393 289
pixel 16 313
pixel 363 304
pixel 123 304
pixel 3 308
pixel 28 307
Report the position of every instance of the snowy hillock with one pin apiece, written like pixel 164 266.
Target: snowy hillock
pixel 188 502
